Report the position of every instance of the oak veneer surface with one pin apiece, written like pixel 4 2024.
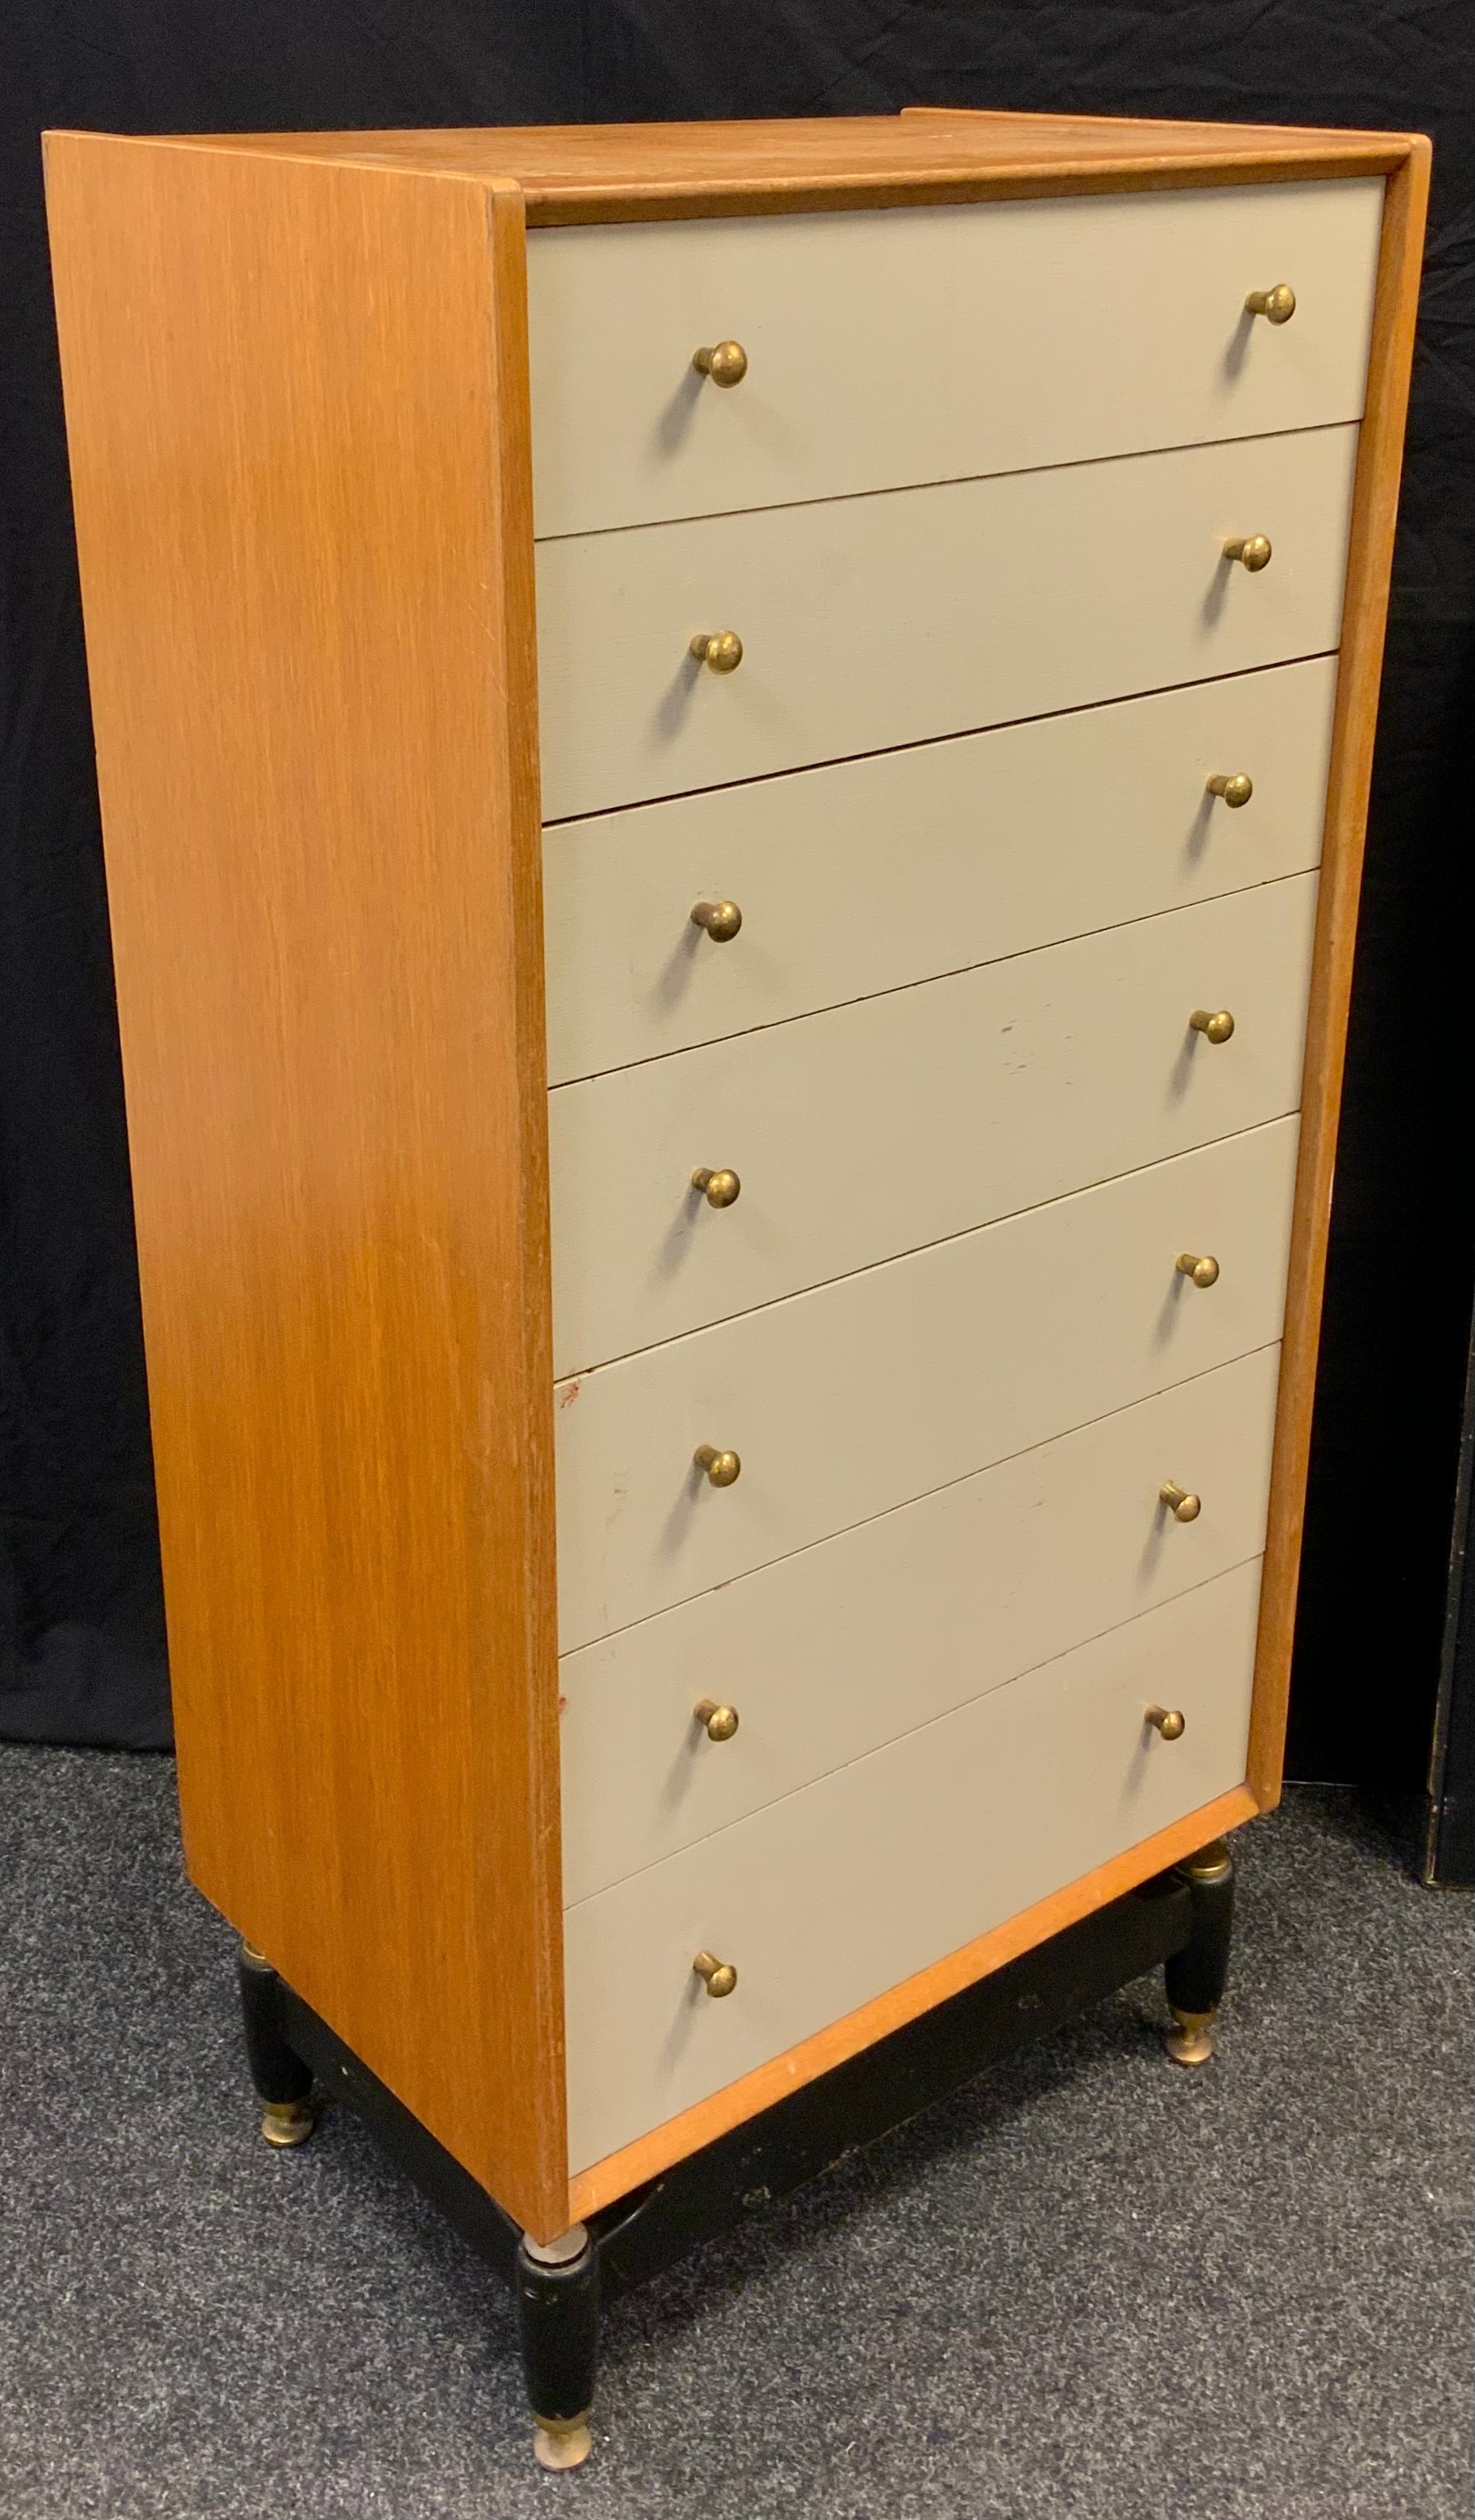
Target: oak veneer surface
pixel 303 495
pixel 696 169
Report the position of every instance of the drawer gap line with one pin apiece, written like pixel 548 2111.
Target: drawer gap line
pixel 954 971
pixel 923 1496
pixel 796 1294
pixel 947 481
pixel 922 743
pixel 914 1730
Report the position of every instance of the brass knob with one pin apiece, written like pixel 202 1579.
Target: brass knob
pixel 721 920
pixel 1277 305
pixel 1253 549
pixel 1201 1267
pixel 1182 1506
pixel 1235 786
pixel 1166 1720
pixel 721 1468
pixel 720 1189
pixel 721 650
pixel 726 362
pixel 1213 1027
pixel 721 1720
pixel 719 1977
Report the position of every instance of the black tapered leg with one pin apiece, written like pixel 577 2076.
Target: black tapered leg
pixel 284 2084
pixel 558 2289
pixel 1196 1976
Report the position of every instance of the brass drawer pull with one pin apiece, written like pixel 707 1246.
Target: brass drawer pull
pixel 725 363
pixel 1201 1266
pixel 721 1468
pixel 1180 1502
pixel 719 1188
pixel 1252 550
pixel 721 920
pixel 721 1722
pixel 1277 305
pixel 1166 1720
pixel 1235 786
pixel 721 650
pixel 1213 1027
pixel 718 1976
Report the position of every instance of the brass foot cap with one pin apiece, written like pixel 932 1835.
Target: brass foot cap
pixel 560 2445
pixel 285 2123
pixel 1191 2041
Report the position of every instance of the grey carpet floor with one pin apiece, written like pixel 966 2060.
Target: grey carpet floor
pixel 1093 2286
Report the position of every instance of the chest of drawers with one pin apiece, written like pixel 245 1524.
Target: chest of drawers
pixel 733 764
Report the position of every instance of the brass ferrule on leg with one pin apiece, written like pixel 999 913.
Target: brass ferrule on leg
pixel 562 2441
pixel 1191 2041
pixel 286 2123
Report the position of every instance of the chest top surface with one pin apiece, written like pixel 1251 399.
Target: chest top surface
pixel 572 174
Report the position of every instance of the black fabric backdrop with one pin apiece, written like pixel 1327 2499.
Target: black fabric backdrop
pixel 81 1623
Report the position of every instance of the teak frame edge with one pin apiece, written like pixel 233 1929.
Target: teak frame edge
pixel 1369 568
pixel 607 2180
pixel 298 407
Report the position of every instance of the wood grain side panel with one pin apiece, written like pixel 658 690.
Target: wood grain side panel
pixel 622 2171
pixel 297 403
pixel 1369 564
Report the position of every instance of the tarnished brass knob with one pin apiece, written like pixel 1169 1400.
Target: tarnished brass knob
pixel 721 1468
pixel 721 1722
pixel 1183 1506
pixel 1277 305
pixel 721 920
pixel 720 1189
pixel 718 1976
pixel 1213 1027
pixel 1235 786
pixel 1253 549
pixel 726 362
pixel 1201 1266
pixel 721 650
pixel 1166 1720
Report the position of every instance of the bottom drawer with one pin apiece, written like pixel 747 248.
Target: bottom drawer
pixel 827 1898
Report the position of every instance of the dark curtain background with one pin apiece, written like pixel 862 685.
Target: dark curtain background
pixel 81 1624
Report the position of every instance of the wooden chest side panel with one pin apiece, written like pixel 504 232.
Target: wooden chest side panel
pixel 297 402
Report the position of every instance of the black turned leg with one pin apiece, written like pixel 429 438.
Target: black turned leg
pixel 558 2291
pixel 1196 1976
pixel 282 2082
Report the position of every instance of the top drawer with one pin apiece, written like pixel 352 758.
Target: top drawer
pixel 888 348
